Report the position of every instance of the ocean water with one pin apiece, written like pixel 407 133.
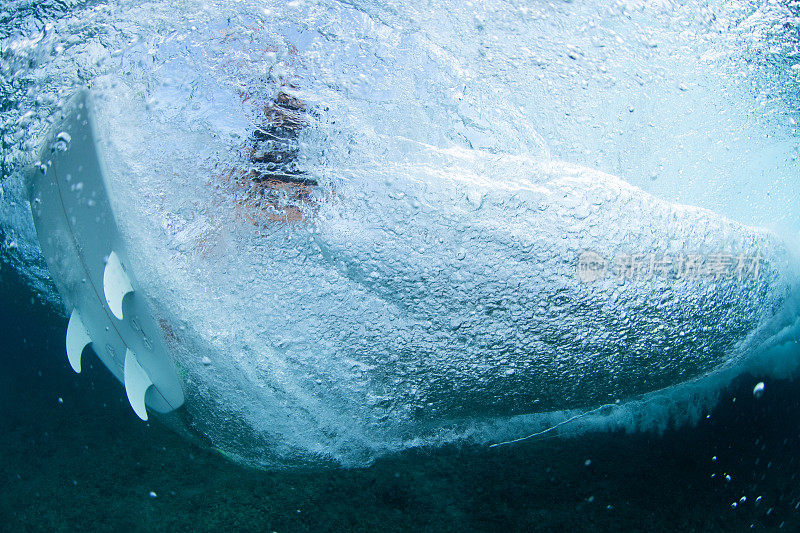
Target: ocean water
pixel 437 266
pixel 75 457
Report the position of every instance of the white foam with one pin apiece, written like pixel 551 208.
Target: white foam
pixel 434 298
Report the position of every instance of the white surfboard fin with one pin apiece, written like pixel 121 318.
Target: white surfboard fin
pixel 136 383
pixel 77 339
pixel 116 284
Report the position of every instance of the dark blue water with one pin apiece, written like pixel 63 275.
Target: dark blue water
pixel 75 457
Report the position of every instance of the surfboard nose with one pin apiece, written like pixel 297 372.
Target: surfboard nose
pixel 86 257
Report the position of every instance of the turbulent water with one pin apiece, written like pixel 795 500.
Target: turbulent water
pixel 464 256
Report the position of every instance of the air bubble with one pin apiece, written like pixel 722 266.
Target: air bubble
pixel 62 141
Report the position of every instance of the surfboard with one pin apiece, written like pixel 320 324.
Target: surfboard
pixel 87 259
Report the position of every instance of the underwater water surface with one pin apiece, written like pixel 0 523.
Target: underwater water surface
pixel 432 265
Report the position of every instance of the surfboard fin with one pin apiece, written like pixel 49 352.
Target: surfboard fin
pixel 136 383
pixel 116 284
pixel 77 339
